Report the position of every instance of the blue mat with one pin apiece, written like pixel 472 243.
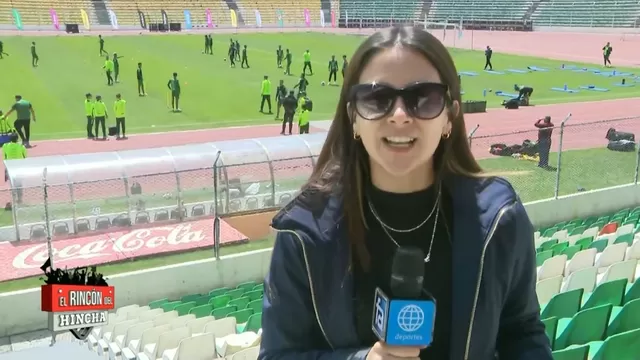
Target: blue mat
pixel 570 91
pixel 494 72
pixel 593 88
pixel 611 73
pixel 517 71
pixel 535 68
pixel 624 85
pixel 568 67
pixel 579 70
pixel 468 73
pixel 505 94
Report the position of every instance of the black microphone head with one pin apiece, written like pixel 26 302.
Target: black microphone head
pixel 407 272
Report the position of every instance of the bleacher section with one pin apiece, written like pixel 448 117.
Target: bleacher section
pixel 293 11
pixel 477 10
pixel 587 286
pixel 587 13
pixel 223 322
pixel 398 11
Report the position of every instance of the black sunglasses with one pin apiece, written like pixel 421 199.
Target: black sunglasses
pixel 422 100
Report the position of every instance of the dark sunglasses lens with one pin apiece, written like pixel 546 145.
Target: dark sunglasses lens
pixel 373 102
pixel 425 101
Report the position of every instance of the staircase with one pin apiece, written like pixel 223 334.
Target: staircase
pixel 100 10
pixel 426 8
pixel 234 6
pixel 532 9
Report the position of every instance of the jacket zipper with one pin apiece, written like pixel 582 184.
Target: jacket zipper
pixel 494 226
pixel 313 296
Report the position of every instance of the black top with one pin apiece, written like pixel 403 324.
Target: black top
pixel 405 211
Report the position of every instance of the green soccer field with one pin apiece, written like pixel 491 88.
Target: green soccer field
pixel 213 95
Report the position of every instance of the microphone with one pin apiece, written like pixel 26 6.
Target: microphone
pixel 404 319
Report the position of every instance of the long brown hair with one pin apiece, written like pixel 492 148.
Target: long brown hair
pixel 343 162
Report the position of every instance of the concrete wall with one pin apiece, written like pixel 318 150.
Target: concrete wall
pixel 21 310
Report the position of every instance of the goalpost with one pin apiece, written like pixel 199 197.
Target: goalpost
pixel 448 31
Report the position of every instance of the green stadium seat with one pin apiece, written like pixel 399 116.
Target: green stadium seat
pixel 218 292
pixel 240 303
pixel 235 293
pixel 563 305
pixel 254 323
pixel 220 301
pixel 578 230
pixel 156 304
pixel 543 256
pixel 577 352
pixel 626 238
pixel 256 306
pixel 170 305
pixel 247 286
pixel 201 311
pixel 633 291
pixel 190 298
pixel 557 249
pixel 571 251
pixel 254 295
pixel 624 346
pixel 585 242
pixel 599 245
pixel 549 232
pixel 223 312
pixel 242 316
pixel 202 300
pixel 547 245
pixel 184 308
pixel 624 318
pixel 610 292
pixel 550 328
pixel 258 287
pixel 586 326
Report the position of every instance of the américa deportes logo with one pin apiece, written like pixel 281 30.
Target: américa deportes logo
pixel 77 300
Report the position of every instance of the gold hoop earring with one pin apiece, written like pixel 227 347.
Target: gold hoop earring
pixel 446 135
pixel 356 136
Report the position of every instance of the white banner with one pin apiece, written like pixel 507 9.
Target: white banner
pixel 346 19
pixel 258 18
pixel 321 18
pixel 114 19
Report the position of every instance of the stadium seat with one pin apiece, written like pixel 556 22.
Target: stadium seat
pixel 149 337
pixel 578 352
pixel 610 292
pixel 223 311
pixel 166 341
pixel 246 354
pixel 181 321
pixel 585 326
pixel 198 347
pixel 240 303
pixel 221 327
pixel 201 311
pixel 582 279
pixel 220 301
pixel 547 288
pixel 623 346
pixel 121 341
pixel 552 267
pixel 563 305
pixel 254 323
pixel 581 260
pixel 624 318
pixel 550 327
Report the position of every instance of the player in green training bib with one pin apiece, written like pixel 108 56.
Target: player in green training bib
pixel 174 88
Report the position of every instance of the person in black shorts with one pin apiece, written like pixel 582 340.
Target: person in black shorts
pixel 290 104
pixel 524 94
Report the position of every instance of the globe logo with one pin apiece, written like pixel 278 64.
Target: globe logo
pixel 410 318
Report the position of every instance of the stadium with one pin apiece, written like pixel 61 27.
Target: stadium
pixel 176 216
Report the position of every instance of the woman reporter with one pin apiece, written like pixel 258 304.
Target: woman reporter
pixel 396 170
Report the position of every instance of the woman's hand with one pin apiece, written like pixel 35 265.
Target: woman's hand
pixel 381 351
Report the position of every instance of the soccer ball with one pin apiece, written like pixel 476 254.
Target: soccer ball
pixel 323 83
pixel 225 59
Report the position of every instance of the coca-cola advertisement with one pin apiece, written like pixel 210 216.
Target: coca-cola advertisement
pixel 18 260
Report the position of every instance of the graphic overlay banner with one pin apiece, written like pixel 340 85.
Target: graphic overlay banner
pixel 209 18
pixel 17 19
pixel 321 18
pixel 258 18
pixel 234 19
pixel 333 19
pixel 76 300
pixel 187 20
pixel 307 17
pixel 165 19
pixel 54 19
pixel 280 17
pixel 85 19
pixel 142 19
pixel 113 19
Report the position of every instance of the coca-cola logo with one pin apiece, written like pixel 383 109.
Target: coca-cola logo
pixel 142 240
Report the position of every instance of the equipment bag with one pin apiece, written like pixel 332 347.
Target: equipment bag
pixel 622 145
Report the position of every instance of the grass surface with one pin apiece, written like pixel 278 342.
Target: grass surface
pixel 147 263
pixel 213 95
